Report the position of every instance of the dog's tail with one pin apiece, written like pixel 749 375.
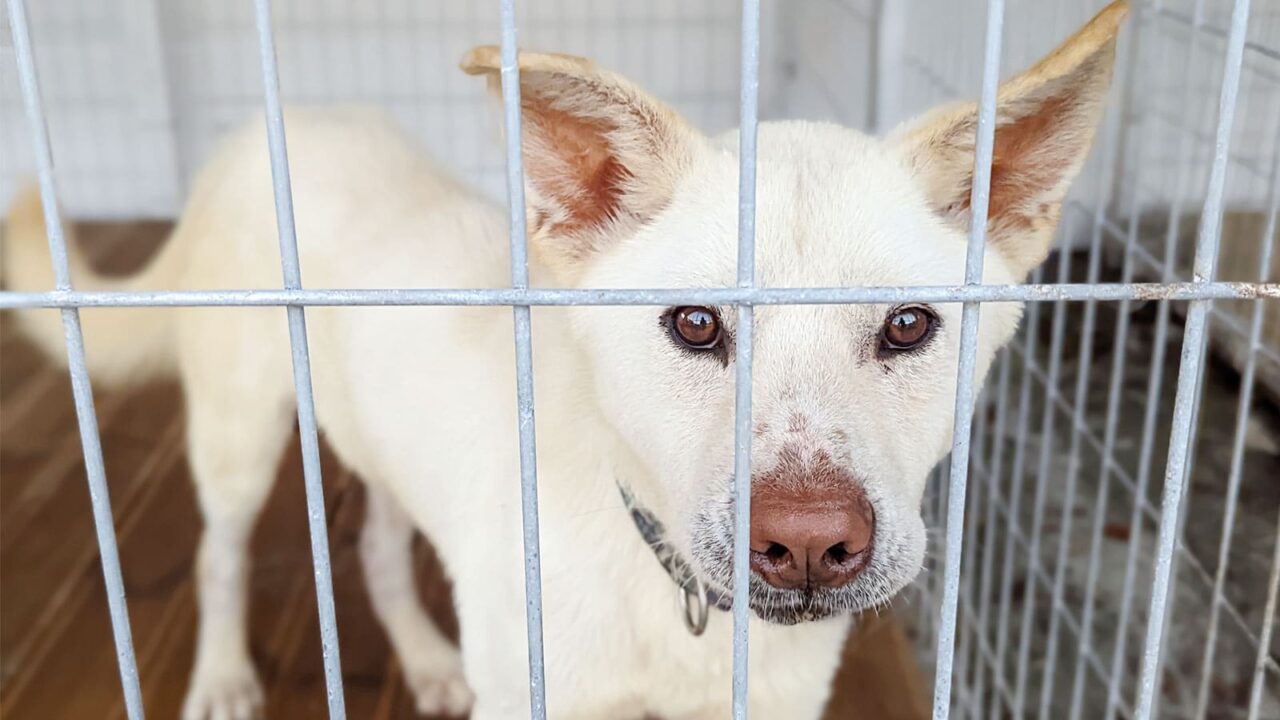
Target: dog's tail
pixel 121 345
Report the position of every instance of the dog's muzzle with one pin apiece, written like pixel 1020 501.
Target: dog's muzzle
pixel 807 549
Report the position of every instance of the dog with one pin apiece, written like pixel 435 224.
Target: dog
pixel 852 404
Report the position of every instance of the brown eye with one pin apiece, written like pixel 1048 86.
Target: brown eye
pixel 697 328
pixel 907 329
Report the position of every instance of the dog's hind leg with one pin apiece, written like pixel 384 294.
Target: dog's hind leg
pixel 239 421
pixel 432 665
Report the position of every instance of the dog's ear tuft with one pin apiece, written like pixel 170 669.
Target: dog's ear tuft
pixel 1045 122
pixel 600 154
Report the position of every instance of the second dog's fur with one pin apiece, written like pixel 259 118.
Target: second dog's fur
pixel 420 401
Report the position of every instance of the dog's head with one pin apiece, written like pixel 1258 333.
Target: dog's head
pixel 852 405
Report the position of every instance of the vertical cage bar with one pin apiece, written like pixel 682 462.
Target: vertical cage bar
pixel 1116 380
pixel 1048 423
pixel 1236 470
pixel 1084 367
pixel 524 363
pixel 1264 638
pixel 1180 529
pixel 968 650
pixel 1084 364
pixel 82 391
pixel 995 468
pixel 290 267
pixel 1016 477
pixel 1155 380
pixel 966 367
pixel 982 488
pixel 748 120
pixel 1189 374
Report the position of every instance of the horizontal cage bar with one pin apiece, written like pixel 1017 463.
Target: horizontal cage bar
pixel 1075 292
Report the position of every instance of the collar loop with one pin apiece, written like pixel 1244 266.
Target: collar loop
pixel 695 597
pixel 694 602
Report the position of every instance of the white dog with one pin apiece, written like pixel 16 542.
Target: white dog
pixel 852 404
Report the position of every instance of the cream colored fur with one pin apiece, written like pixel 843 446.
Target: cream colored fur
pixel 420 401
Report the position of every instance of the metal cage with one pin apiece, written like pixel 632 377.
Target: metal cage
pixel 1048 472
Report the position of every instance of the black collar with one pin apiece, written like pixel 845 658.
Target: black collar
pixel 673 562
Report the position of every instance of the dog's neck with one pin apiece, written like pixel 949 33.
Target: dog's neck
pixel 565 387
pixel 654 533
pixel 606 469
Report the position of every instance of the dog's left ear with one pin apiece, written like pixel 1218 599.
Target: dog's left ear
pixel 1045 122
pixel 600 154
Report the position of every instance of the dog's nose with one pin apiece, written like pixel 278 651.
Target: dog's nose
pixel 818 537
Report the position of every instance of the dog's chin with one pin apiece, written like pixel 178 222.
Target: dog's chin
pixel 796 607
pixel 792 607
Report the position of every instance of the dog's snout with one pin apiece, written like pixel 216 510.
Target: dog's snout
pixel 819 537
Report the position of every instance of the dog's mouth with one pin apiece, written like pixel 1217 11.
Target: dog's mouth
pixel 791 607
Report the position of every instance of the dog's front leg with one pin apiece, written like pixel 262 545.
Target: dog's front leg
pixel 234 448
pixel 432 665
pixel 490 599
pixel 495 653
pixel 499 676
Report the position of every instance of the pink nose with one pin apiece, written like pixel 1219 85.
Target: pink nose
pixel 819 537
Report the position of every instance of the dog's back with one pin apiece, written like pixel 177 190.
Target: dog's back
pixel 372 211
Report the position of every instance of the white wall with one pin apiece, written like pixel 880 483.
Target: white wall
pixel 139 91
pixel 108 86
pixel 101 72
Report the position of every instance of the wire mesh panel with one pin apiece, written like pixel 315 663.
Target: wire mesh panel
pixel 1105 544
pixel 1057 592
pixel 105 94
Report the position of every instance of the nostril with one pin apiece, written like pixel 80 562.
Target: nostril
pixel 778 566
pixel 838 554
pixel 776 552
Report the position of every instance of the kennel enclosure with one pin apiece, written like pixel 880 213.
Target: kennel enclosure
pixel 1106 541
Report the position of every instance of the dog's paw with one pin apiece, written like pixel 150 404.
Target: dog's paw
pixel 227 693
pixel 446 695
pixel 435 678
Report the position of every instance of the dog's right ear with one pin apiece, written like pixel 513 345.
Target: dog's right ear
pixel 601 155
pixel 1046 118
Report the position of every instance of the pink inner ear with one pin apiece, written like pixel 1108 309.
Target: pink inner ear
pixel 1028 160
pixel 583 174
pixel 1024 166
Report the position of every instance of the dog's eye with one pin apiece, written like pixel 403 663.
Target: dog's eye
pixel 697 328
pixel 907 329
